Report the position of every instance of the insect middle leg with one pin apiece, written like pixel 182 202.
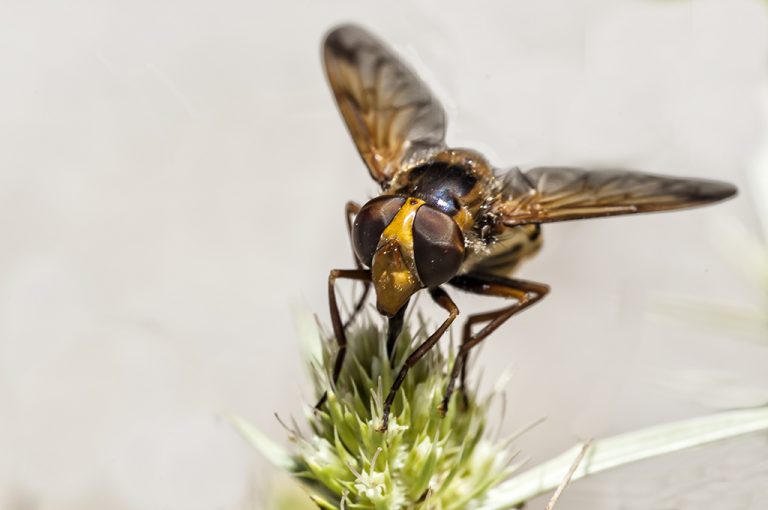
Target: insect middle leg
pixel 338 328
pixel 524 292
pixel 444 301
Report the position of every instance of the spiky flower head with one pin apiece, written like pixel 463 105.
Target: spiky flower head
pixel 423 461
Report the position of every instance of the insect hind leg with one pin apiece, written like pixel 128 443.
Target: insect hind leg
pixel 524 292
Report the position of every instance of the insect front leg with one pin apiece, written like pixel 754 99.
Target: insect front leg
pixel 338 327
pixel 524 292
pixel 350 211
pixel 444 301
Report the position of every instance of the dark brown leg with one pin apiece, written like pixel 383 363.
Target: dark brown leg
pixel 525 293
pixel 338 328
pixel 442 299
pixel 350 210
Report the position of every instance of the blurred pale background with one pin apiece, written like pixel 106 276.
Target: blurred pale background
pixel 172 181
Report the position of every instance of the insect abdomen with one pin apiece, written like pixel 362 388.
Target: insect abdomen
pixel 502 257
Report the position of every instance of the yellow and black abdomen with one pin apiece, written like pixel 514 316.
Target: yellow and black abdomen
pixel 501 255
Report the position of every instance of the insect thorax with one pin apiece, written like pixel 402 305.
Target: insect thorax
pixel 456 182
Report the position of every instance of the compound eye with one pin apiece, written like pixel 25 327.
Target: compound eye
pixel 370 223
pixel 438 246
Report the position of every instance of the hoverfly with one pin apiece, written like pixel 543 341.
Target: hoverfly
pixel 445 215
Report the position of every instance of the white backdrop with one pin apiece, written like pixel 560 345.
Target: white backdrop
pixel 172 181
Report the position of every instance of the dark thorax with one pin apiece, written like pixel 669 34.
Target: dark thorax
pixel 457 182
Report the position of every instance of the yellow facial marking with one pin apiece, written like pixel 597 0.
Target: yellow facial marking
pixel 400 229
pixel 402 278
pixel 394 268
